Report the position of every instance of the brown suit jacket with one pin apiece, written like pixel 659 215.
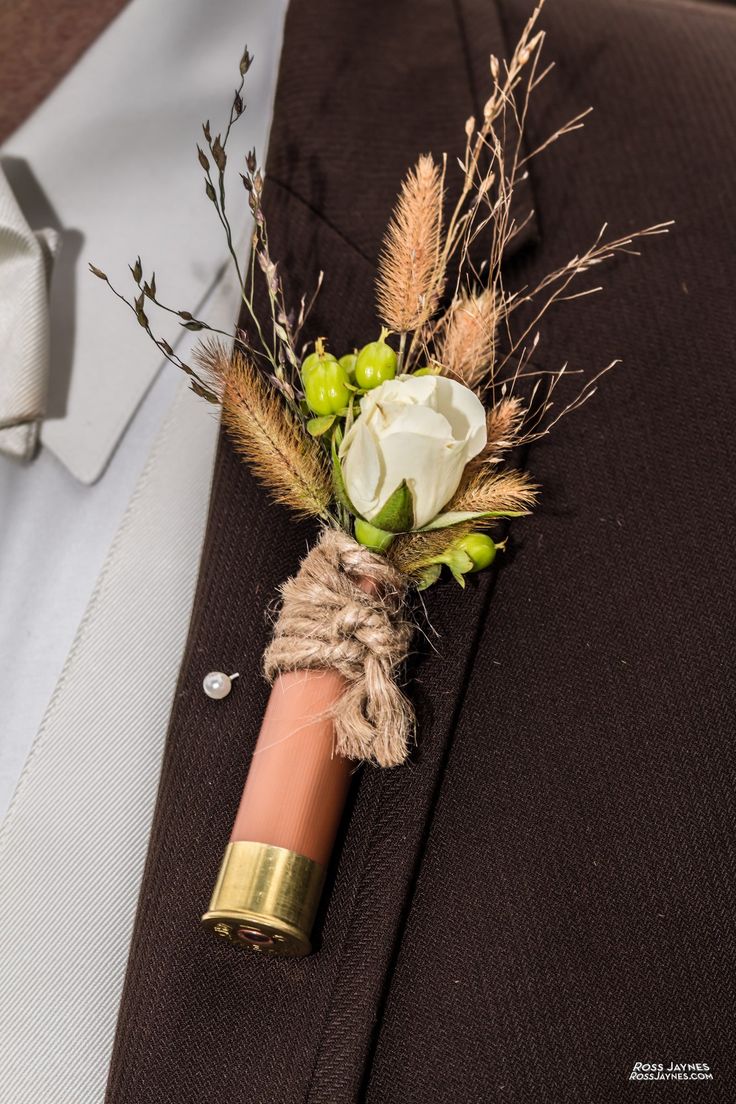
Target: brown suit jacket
pixel 544 895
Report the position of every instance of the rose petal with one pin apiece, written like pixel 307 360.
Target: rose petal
pixel 465 413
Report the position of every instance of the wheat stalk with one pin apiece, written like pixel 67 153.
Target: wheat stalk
pixel 467 342
pixel 409 284
pixel 503 423
pixel 267 433
pixel 504 492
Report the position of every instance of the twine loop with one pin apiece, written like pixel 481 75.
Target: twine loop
pixel 344 609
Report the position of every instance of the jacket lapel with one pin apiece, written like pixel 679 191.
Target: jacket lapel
pixel 363 89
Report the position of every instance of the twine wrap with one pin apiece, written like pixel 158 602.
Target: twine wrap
pixel 344 609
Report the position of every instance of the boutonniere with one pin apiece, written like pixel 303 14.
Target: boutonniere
pixel 399 446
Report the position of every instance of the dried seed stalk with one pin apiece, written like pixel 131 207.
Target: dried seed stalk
pixel 467 342
pixel 267 433
pixel 409 280
pixel 509 491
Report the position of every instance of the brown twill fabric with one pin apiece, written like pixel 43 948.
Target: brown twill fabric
pixel 544 896
pixel 40 40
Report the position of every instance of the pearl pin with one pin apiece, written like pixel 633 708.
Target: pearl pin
pixel 217 684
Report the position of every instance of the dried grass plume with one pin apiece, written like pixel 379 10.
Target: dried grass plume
pixel 508 492
pixel 467 342
pixel 503 423
pixel 410 279
pixel 266 432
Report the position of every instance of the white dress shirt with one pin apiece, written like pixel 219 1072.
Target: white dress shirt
pixel 116 177
pixel 98 557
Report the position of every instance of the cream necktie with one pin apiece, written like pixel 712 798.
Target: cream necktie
pixel 25 264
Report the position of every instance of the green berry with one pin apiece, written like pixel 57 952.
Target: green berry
pixel 325 387
pixel 317 358
pixel 348 363
pixel 480 548
pixel 375 364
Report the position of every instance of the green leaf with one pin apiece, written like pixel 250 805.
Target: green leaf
pixel 457 517
pixel 397 514
pixel 428 576
pixel 458 561
pixel 318 426
pixel 378 540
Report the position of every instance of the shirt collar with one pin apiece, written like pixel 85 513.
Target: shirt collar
pixel 109 160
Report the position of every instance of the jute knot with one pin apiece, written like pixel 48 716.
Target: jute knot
pixel 344 609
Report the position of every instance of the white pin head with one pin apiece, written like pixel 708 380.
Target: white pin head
pixel 217 684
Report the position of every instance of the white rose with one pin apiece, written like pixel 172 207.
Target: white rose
pixel 418 429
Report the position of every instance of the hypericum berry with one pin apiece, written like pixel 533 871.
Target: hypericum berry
pixel 325 387
pixel 317 358
pixel 376 363
pixel 348 363
pixel 480 548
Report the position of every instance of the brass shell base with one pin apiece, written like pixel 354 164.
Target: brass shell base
pixel 265 898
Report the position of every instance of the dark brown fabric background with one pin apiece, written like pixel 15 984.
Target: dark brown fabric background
pixel 544 896
pixel 40 40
